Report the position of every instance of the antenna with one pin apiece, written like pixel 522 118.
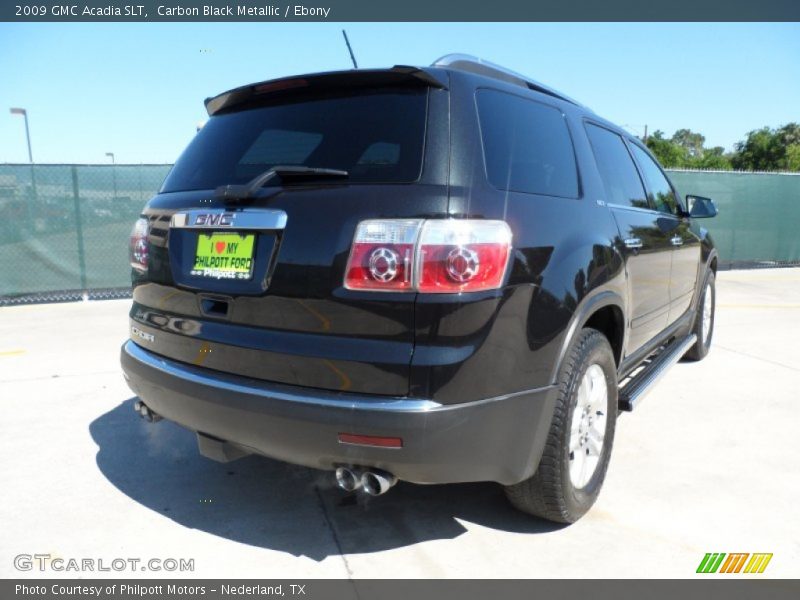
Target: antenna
pixel 349 49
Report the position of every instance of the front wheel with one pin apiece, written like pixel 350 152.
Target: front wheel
pixel 578 448
pixel 704 321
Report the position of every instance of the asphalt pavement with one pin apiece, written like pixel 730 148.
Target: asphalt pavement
pixel 709 462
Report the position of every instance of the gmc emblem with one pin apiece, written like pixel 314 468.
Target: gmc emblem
pixel 214 219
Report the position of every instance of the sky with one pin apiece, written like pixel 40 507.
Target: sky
pixel 137 89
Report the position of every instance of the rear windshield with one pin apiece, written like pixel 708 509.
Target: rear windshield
pixel 376 136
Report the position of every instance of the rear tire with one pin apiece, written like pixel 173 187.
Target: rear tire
pixel 704 320
pixel 578 447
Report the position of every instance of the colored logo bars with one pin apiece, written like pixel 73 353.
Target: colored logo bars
pixel 718 563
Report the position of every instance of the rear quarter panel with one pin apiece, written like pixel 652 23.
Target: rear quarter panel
pixel 564 254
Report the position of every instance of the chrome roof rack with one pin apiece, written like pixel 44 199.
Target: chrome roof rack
pixel 478 66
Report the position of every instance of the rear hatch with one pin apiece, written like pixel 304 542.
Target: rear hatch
pixel 255 286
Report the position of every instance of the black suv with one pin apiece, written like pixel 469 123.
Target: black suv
pixel 441 274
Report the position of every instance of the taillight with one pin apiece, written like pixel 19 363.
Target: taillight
pixel 382 255
pixel 457 255
pixel 433 256
pixel 139 250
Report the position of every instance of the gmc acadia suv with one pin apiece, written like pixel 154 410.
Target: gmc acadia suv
pixel 435 275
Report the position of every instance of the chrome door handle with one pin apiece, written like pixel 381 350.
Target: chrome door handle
pixel 633 243
pixel 676 241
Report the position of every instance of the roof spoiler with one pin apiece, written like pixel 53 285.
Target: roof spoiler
pixel 352 79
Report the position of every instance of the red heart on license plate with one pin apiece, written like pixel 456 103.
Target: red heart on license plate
pixel 220 247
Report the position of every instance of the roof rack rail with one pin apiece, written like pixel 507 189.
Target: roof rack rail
pixel 472 64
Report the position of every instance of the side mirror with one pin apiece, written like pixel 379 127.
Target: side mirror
pixel 701 208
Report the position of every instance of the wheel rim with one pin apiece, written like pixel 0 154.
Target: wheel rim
pixel 588 428
pixel 707 313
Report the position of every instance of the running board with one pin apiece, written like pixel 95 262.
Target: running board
pixel 636 389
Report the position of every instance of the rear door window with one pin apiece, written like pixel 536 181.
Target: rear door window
pixel 661 194
pixel 621 180
pixel 526 145
pixel 377 136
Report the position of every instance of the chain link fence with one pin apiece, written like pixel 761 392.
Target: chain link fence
pixel 64 228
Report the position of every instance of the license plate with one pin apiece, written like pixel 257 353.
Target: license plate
pixel 224 256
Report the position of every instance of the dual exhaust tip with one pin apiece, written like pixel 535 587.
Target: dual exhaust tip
pixel 374 482
pixel 145 412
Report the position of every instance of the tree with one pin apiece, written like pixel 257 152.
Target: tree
pixel 789 136
pixel 764 149
pixel 768 149
pixel 713 158
pixel 793 158
pixel 691 141
pixel 685 151
pixel 669 154
pixel 758 152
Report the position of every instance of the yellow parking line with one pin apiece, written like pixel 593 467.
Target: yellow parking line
pixel 346 383
pixel 202 354
pixel 324 321
pixel 760 279
pixel 164 300
pixel 783 306
pixel 12 352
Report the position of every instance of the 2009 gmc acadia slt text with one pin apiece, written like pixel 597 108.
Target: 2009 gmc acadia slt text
pixel 440 274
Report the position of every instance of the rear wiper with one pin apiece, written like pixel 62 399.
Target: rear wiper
pixel 237 192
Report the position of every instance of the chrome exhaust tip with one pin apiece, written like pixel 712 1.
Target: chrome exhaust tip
pixel 348 479
pixel 144 412
pixel 376 482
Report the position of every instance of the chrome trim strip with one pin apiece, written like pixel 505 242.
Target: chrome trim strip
pixel 370 446
pixel 331 399
pixel 649 211
pixel 244 385
pixel 220 218
pixel 633 243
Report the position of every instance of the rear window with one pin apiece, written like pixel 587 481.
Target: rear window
pixel 375 136
pixel 526 145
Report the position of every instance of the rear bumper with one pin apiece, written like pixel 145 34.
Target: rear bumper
pixel 498 439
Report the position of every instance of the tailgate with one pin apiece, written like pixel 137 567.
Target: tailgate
pixel 257 289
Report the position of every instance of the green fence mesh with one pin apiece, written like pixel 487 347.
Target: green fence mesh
pixel 759 214
pixel 65 227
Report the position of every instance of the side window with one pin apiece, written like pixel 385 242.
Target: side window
pixel 620 178
pixel 526 145
pixel 660 190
